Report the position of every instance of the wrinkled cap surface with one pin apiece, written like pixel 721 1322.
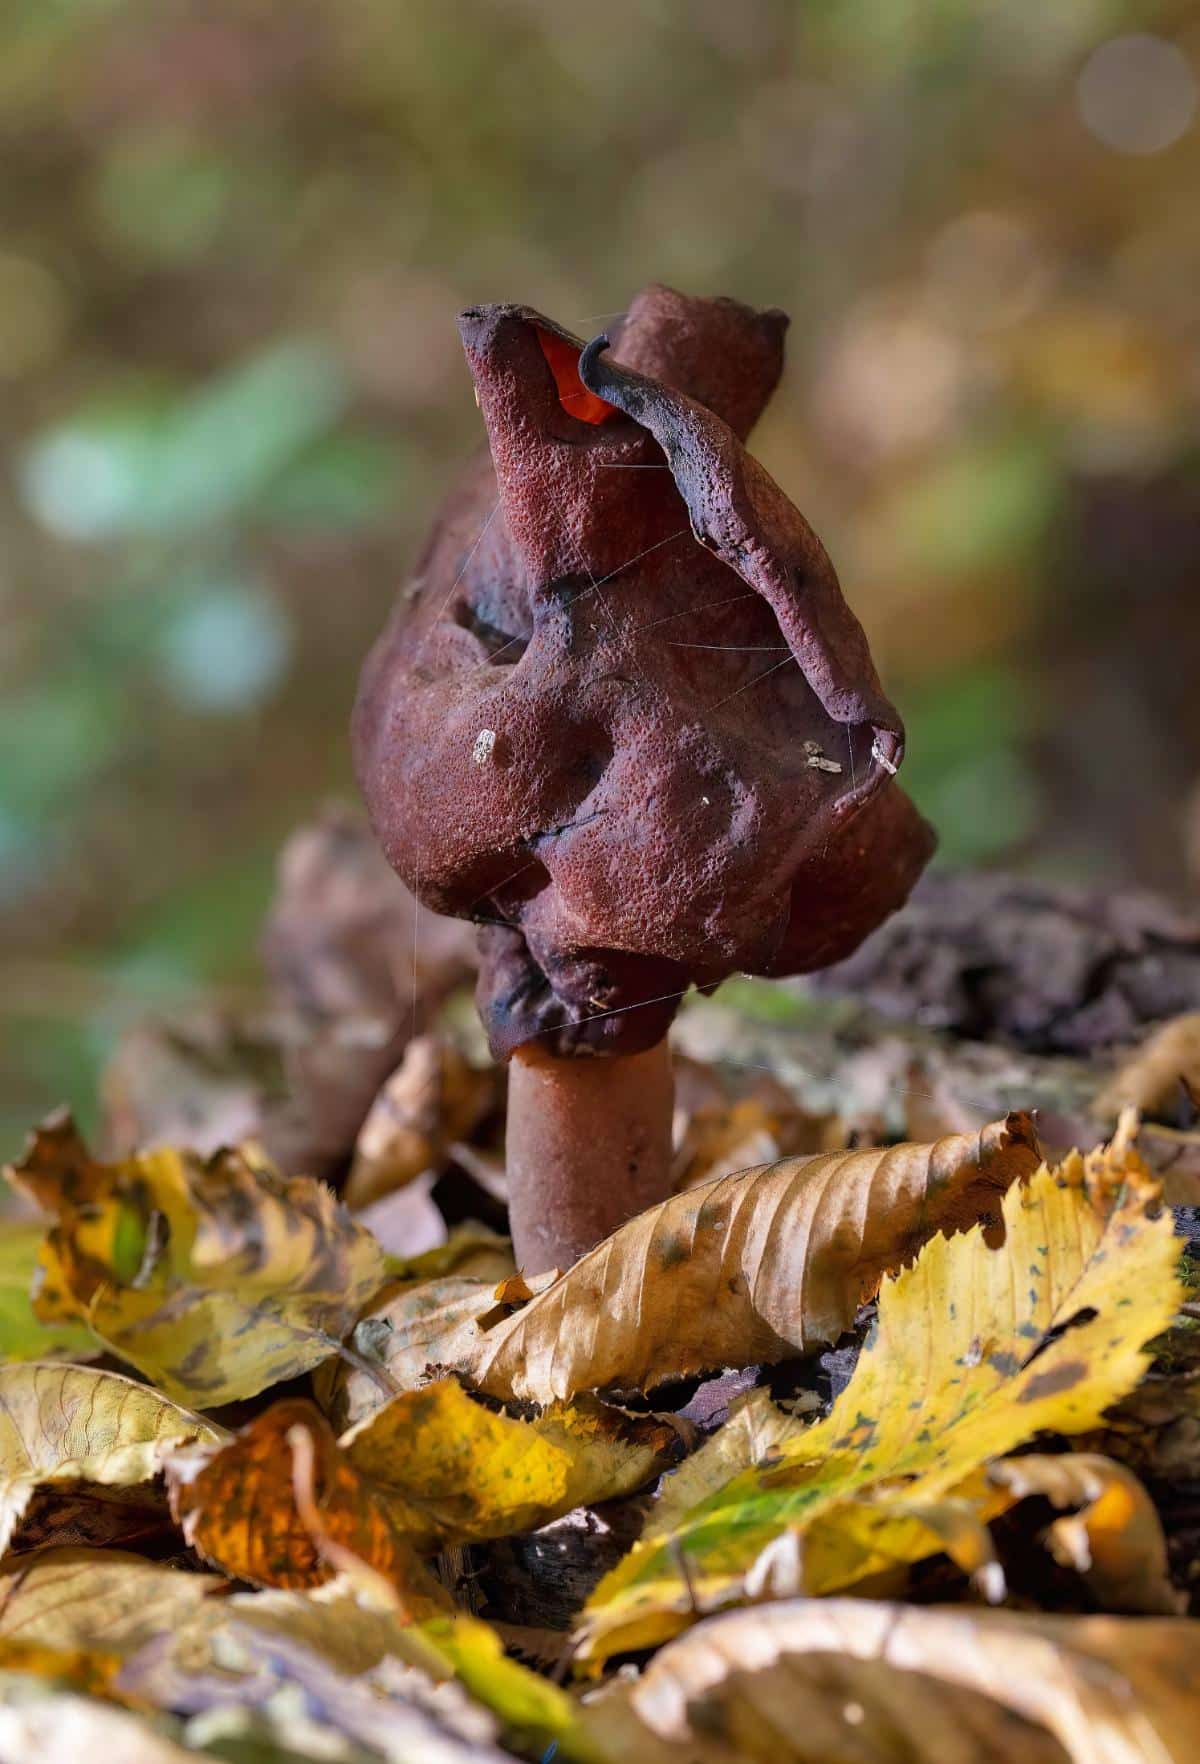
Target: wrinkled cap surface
pixel 622 715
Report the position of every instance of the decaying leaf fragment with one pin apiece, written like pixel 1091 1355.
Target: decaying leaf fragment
pixel 215 1277
pixel 430 1468
pixel 237 1505
pixel 806 1681
pixel 78 1424
pixel 975 1351
pixel 754 1267
pixel 1111 1534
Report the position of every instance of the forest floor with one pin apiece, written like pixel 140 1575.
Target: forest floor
pixel 878 1440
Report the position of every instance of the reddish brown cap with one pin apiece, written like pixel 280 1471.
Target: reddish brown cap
pixel 623 716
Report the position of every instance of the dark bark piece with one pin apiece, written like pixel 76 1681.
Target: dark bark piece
pixel 543 1579
pixel 1047 968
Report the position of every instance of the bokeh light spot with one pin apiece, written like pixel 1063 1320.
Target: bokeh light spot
pixel 227 650
pixel 1137 94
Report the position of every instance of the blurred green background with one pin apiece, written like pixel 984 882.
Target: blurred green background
pixel 234 237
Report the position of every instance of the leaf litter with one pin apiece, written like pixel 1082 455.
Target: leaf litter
pixel 347 1436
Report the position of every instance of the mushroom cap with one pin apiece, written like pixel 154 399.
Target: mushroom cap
pixel 622 716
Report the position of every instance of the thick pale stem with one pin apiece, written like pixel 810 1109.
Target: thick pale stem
pixel 589 1145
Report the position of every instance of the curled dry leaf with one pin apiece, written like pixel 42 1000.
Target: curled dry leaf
pixel 975 1350
pixel 215 1278
pixel 433 1098
pixel 752 1268
pixel 78 1424
pixel 98 1599
pixel 1115 1538
pixel 430 1468
pixel 811 1680
pixel 1160 1074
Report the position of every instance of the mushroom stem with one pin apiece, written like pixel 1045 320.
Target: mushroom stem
pixel 589 1145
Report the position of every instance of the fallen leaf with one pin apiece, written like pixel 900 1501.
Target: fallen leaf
pixel 453 1666
pixel 721 1128
pixel 471 1473
pixel 534 1713
pixel 752 1268
pixel 1114 1539
pixel 215 1278
pixel 975 1350
pixel 471 1251
pixel 78 1424
pixel 22 1335
pixel 406 1222
pixel 812 1680
pixel 236 1505
pixel 276 1684
pixel 1163 1072
pixel 61 1727
pixel 430 1468
pixel 433 1098
pixel 98 1599
pixel 92 1671
pixel 421 1324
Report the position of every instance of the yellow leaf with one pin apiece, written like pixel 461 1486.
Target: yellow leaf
pixel 97 1599
pixel 812 1680
pixel 1115 1540
pixel 975 1350
pixel 214 1277
pixel 536 1714
pixel 754 1267
pixel 470 1473
pixel 78 1424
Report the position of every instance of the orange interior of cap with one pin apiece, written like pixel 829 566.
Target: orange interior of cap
pixel 573 395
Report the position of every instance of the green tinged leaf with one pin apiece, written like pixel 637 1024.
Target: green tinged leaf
pixel 975 1351
pixel 22 1335
pixel 214 1277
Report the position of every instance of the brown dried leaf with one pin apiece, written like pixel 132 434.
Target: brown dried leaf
pixel 752 1268
pixel 1160 1073
pixel 433 1098
pixel 237 1508
pixel 815 1679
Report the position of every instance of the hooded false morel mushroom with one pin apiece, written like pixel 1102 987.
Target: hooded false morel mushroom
pixel 624 719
